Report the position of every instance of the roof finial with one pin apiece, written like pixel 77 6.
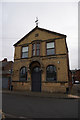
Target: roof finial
pixel 36 21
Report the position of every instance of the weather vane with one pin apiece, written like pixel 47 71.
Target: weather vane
pixel 36 21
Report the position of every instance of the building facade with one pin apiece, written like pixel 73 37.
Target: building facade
pixel 41 62
pixel 76 75
pixel 6 71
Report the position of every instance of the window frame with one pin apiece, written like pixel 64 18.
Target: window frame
pixel 25 74
pixel 52 73
pixel 50 48
pixel 36 48
pixel 24 52
pixel 33 49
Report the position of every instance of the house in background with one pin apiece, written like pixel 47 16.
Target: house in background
pixel 41 62
pixel 6 73
pixel 76 75
pixel 70 79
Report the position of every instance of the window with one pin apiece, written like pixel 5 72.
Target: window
pixel 50 48
pixel 33 50
pixel 23 74
pixel 36 49
pixel 36 35
pixel 24 52
pixel 51 73
pixel 36 69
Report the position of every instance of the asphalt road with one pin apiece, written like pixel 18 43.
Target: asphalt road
pixel 21 106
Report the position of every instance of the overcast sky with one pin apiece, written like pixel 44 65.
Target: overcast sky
pixel 18 18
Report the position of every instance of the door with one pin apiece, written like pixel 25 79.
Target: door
pixel 5 83
pixel 36 79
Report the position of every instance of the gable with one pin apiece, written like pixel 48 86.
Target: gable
pixel 39 34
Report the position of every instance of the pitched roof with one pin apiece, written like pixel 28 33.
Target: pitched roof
pixel 42 30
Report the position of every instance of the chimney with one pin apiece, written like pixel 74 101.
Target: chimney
pixel 5 60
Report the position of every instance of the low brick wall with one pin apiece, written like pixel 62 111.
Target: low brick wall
pixel 21 86
pixel 45 87
pixel 54 87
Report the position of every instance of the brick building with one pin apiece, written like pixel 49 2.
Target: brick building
pixel 75 75
pixel 41 62
pixel 6 68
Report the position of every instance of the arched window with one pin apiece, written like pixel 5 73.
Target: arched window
pixel 23 74
pixel 51 73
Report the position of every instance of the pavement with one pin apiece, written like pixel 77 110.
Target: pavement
pixel 43 94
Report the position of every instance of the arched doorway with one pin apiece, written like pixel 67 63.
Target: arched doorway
pixel 35 68
pixel 36 79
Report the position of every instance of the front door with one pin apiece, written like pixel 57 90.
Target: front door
pixel 36 79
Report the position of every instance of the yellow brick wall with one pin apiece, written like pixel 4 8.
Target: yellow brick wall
pixel 54 87
pixel 21 86
pixel 17 54
pixel 45 87
pixel 42 36
pixel 43 50
pixel 60 61
pixel 60 47
pixel 61 67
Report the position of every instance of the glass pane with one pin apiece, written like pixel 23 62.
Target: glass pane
pixel 51 73
pixel 33 52
pixel 37 52
pixel 51 69
pixel 23 74
pixel 22 79
pixel 25 49
pixel 50 52
pixel 38 45
pixel 54 68
pixel 24 70
pixel 33 46
pixel 21 71
pixel 36 69
pixel 50 77
pixel 50 45
pixel 25 54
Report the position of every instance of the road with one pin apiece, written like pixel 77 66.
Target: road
pixel 19 106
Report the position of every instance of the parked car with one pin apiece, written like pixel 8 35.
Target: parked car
pixel 77 82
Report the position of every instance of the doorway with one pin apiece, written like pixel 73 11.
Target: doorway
pixel 36 79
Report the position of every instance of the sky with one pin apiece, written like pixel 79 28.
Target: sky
pixel 18 18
